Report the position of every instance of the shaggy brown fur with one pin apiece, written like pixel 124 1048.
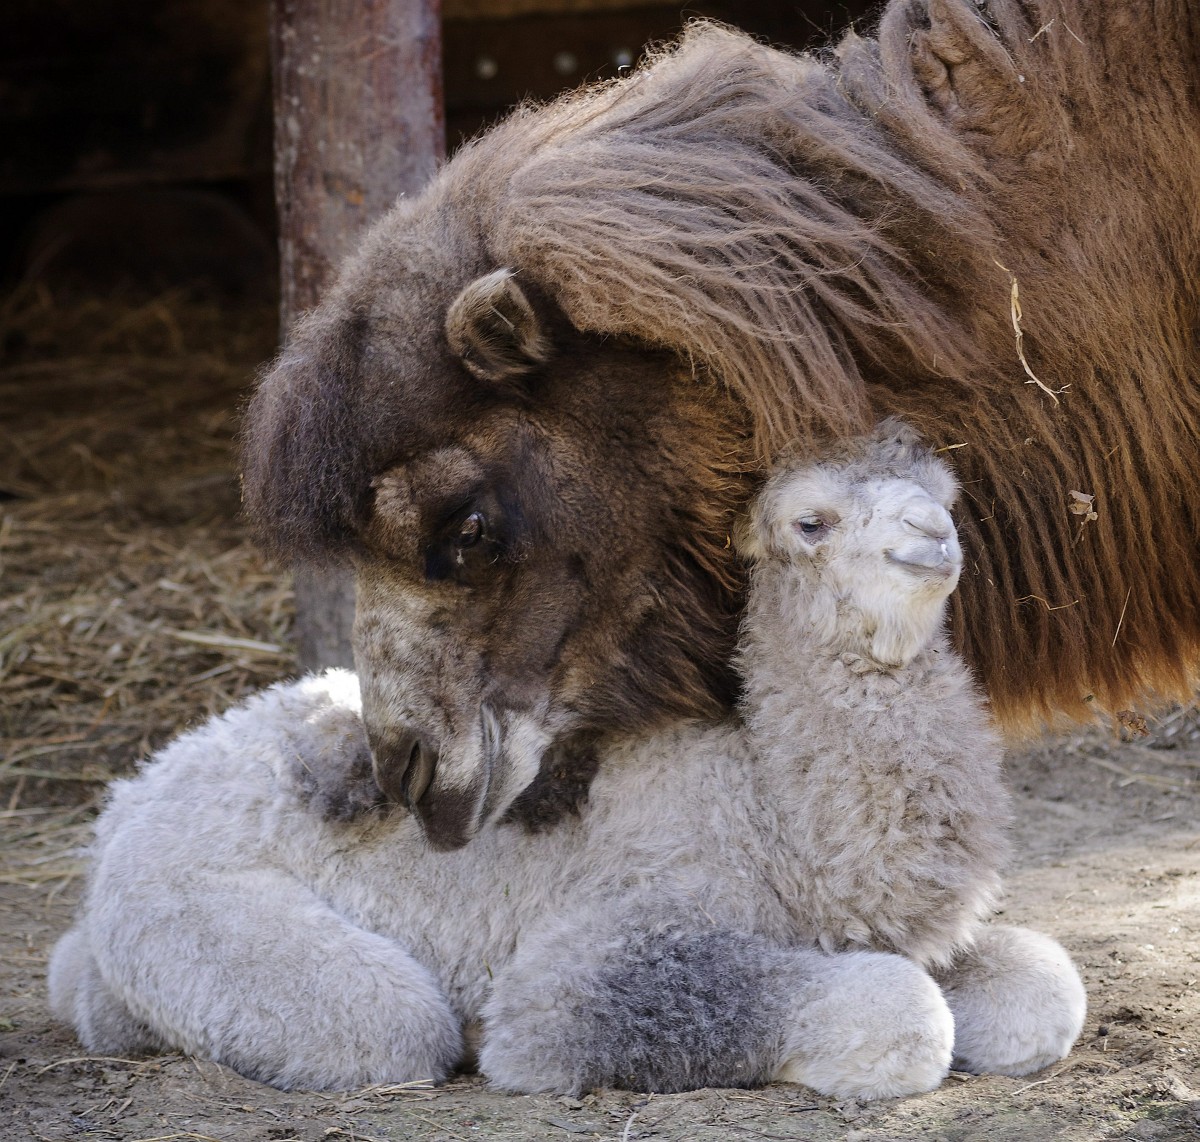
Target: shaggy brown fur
pixel 835 239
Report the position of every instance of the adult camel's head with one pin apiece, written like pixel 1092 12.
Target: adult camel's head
pixel 538 522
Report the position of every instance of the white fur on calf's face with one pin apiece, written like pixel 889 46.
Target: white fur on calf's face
pixel 881 552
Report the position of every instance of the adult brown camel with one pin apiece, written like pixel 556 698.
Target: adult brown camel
pixel 533 405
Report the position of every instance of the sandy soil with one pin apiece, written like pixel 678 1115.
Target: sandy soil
pixel 1109 840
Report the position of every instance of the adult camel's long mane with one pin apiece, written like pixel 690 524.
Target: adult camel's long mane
pixel 866 233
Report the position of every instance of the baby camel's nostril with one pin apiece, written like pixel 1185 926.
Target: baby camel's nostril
pixel 935 525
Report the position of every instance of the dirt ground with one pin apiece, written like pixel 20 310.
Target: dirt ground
pixel 132 604
pixel 1109 839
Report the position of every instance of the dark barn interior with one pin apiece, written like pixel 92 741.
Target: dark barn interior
pixel 126 126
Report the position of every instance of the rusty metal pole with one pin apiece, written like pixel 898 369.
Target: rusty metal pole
pixel 359 121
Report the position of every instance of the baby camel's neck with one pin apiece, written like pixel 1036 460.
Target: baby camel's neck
pixel 812 677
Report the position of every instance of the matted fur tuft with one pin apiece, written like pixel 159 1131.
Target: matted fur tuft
pixel 840 238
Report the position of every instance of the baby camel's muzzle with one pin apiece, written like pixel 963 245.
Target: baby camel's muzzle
pixel 930 546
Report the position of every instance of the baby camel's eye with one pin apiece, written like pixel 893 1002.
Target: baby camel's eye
pixel 471 530
pixel 813 528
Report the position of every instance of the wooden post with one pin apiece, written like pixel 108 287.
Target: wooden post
pixel 358 122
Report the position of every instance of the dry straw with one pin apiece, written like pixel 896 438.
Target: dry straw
pixel 133 603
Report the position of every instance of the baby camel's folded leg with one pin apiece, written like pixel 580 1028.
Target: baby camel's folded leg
pixel 871 1025
pixel 663 1008
pixel 79 996
pixel 1017 999
pixel 254 971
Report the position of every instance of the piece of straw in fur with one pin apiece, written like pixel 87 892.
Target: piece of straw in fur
pixel 1016 315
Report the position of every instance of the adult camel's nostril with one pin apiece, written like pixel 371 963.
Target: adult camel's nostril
pixel 404 765
pixel 419 773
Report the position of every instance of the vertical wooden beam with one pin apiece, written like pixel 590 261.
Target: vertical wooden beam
pixel 358 121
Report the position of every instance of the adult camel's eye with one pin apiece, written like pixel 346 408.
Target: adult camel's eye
pixel 465 547
pixel 471 530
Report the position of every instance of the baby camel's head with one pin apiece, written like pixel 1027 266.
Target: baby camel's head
pixel 859 545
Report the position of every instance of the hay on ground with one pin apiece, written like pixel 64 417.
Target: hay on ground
pixel 133 603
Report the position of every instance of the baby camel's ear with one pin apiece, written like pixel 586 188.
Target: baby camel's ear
pixel 751 538
pixel 494 329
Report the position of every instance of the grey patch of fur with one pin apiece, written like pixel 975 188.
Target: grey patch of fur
pixel 678 1010
pixel 343 792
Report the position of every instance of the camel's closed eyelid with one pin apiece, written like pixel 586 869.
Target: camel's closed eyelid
pixel 814 521
pixel 812 527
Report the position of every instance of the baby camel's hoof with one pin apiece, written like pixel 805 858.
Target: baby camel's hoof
pixel 1018 1003
pixel 879 1029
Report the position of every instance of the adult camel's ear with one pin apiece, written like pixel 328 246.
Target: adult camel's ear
pixel 494 330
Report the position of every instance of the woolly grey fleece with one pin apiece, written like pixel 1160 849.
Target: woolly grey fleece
pixel 736 904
